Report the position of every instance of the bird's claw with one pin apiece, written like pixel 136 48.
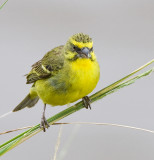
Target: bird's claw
pixel 86 101
pixel 44 124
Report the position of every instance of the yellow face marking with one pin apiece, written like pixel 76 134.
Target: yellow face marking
pixel 81 44
pixel 93 56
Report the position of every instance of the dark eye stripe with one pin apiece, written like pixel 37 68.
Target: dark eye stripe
pixel 91 49
pixel 75 48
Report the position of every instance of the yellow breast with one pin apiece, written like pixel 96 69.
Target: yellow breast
pixel 85 75
pixel 70 84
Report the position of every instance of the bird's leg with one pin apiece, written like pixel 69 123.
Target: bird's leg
pixel 86 101
pixel 44 124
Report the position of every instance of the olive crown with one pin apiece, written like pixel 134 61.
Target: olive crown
pixel 80 37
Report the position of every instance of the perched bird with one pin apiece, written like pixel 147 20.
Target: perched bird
pixel 64 75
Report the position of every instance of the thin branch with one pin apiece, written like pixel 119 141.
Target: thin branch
pixel 12 143
pixel 91 123
pixel 3 4
pixel 16 130
pixel 58 142
pixel 6 114
pixel 110 87
pixel 67 144
pixel 110 124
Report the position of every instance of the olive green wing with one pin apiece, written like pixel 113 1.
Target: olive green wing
pixel 49 65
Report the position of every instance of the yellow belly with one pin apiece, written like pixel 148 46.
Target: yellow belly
pixel 73 82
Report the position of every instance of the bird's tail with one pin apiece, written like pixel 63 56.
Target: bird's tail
pixel 27 102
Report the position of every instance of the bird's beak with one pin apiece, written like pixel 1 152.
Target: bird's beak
pixel 85 52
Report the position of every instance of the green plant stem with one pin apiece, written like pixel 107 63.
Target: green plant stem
pixel 122 79
pixel 100 94
pixel 3 4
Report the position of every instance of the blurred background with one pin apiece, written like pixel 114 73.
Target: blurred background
pixel 123 35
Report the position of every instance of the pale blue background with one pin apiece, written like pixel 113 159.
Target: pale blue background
pixel 123 35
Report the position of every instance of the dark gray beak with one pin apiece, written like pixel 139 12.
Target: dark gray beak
pixel 85 51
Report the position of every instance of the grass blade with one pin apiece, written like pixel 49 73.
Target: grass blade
pixel 100 94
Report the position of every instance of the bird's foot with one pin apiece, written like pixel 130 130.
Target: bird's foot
pixel 44 124
pixel 86 101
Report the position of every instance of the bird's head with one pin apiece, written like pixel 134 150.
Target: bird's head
pixel 79 46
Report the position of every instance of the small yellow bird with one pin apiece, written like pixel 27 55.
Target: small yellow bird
pixel 64 75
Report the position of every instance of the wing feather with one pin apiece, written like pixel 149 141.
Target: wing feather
pixel 47 66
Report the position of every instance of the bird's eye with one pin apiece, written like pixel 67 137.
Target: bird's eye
pixel 75 48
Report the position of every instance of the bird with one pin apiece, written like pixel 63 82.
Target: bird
pixel 64 75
